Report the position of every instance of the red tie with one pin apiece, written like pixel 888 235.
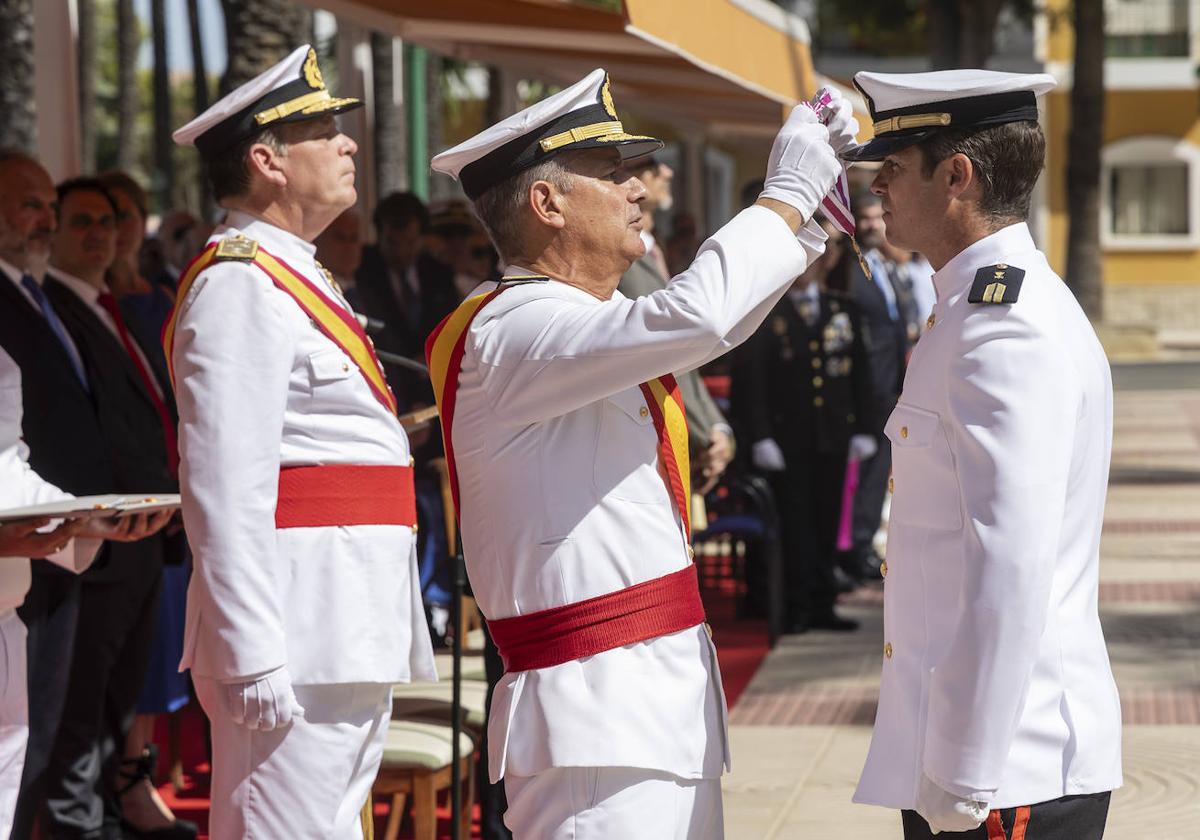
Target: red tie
pixel 164 417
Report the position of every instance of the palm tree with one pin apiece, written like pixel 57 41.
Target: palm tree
pixel 164 163
pixel 1083 158
pixel 391 139
pixel 128 41
pixel 86 13
pixel 18 128
pixel 258 33
pixel 200 96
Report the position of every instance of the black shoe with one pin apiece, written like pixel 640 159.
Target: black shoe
pixel 133 772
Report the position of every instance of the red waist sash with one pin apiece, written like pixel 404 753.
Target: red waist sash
pixel 561 634
pixel 345 494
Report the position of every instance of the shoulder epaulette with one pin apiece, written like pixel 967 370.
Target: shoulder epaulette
pixel 236 248
pixel 999 283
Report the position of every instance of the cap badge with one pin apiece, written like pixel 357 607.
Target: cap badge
pixel 607 100
pixel 312 73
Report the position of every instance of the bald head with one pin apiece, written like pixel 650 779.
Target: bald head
pixel 27 212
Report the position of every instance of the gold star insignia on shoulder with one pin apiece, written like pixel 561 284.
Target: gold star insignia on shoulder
pixel 1000 283
pixel 236 248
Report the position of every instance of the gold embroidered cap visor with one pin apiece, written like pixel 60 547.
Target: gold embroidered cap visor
pixel 291 91
pixel 908 107
pixel 584 128
pixel 582 116
pixel 294 102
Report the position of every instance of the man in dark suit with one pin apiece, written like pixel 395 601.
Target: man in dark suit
pixel 403 286
pixel 65 443
pixel 710 437
pixel 886 326
pixel 118 601
pixel 804 389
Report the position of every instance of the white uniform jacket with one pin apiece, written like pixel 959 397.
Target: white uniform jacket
pixel 996 678
pixel 260 387
pixel 562 498
pixel 21 486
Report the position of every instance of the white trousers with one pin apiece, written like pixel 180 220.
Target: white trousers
pixel 308 780
pixel 612 803
pixel 14 716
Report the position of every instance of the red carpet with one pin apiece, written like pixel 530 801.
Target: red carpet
pixel 741 646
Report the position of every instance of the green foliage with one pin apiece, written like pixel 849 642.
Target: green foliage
pixel 187 164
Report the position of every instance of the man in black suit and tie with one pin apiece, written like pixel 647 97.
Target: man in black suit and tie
pixel 883 311
pixel 73 427
pixel 65 444
pixel 118 602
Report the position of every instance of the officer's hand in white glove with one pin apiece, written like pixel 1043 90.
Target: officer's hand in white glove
pixel 946 812
pixel 265 703
pixel 863 447
pixel 767 456
pixel 842 126
pixel 802 166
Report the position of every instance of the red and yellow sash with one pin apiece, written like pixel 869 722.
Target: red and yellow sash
pixel 444 352
pixel 332 319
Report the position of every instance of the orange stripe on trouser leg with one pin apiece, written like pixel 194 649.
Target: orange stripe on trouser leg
pixel 995 826
pixel 1019 825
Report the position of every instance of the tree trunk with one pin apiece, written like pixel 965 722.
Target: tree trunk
pixel 258 34
pixel 200 98
pixel 164 163
pixel 391 141
pixel 1083 159
pixel 86 11
pixel 127 91
pixel 502 95
pixel 962 32
pixel 433 103
pixel 18 128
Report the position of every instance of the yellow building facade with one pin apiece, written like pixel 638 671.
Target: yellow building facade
pixel 1150 196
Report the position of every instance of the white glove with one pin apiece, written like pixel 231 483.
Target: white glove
pixel 802 166
pixel 946 812
pixel 767 456
pixel 837 115
pixel 265 703
pixel 862 447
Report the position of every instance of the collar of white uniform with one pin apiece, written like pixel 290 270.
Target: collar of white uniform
pixel 959 273
pixel 277 241
pixel 517 272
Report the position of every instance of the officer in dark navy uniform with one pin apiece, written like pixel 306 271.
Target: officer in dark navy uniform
pixel 805 393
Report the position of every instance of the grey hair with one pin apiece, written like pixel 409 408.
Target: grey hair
pixel 501 209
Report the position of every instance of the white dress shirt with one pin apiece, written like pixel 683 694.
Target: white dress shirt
pixel 996 678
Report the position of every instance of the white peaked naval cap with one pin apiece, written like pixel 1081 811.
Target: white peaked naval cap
pixel 291 91
pixel 908 107
pixel 581 117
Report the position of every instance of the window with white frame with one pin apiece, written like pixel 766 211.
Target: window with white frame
pixel 1150 192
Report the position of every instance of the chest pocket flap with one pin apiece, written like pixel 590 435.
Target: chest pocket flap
pixel 911 426
pixel 925 489
pixel 632 402
pixel 330 365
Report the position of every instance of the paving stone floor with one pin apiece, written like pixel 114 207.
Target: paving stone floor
pixel 800 732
